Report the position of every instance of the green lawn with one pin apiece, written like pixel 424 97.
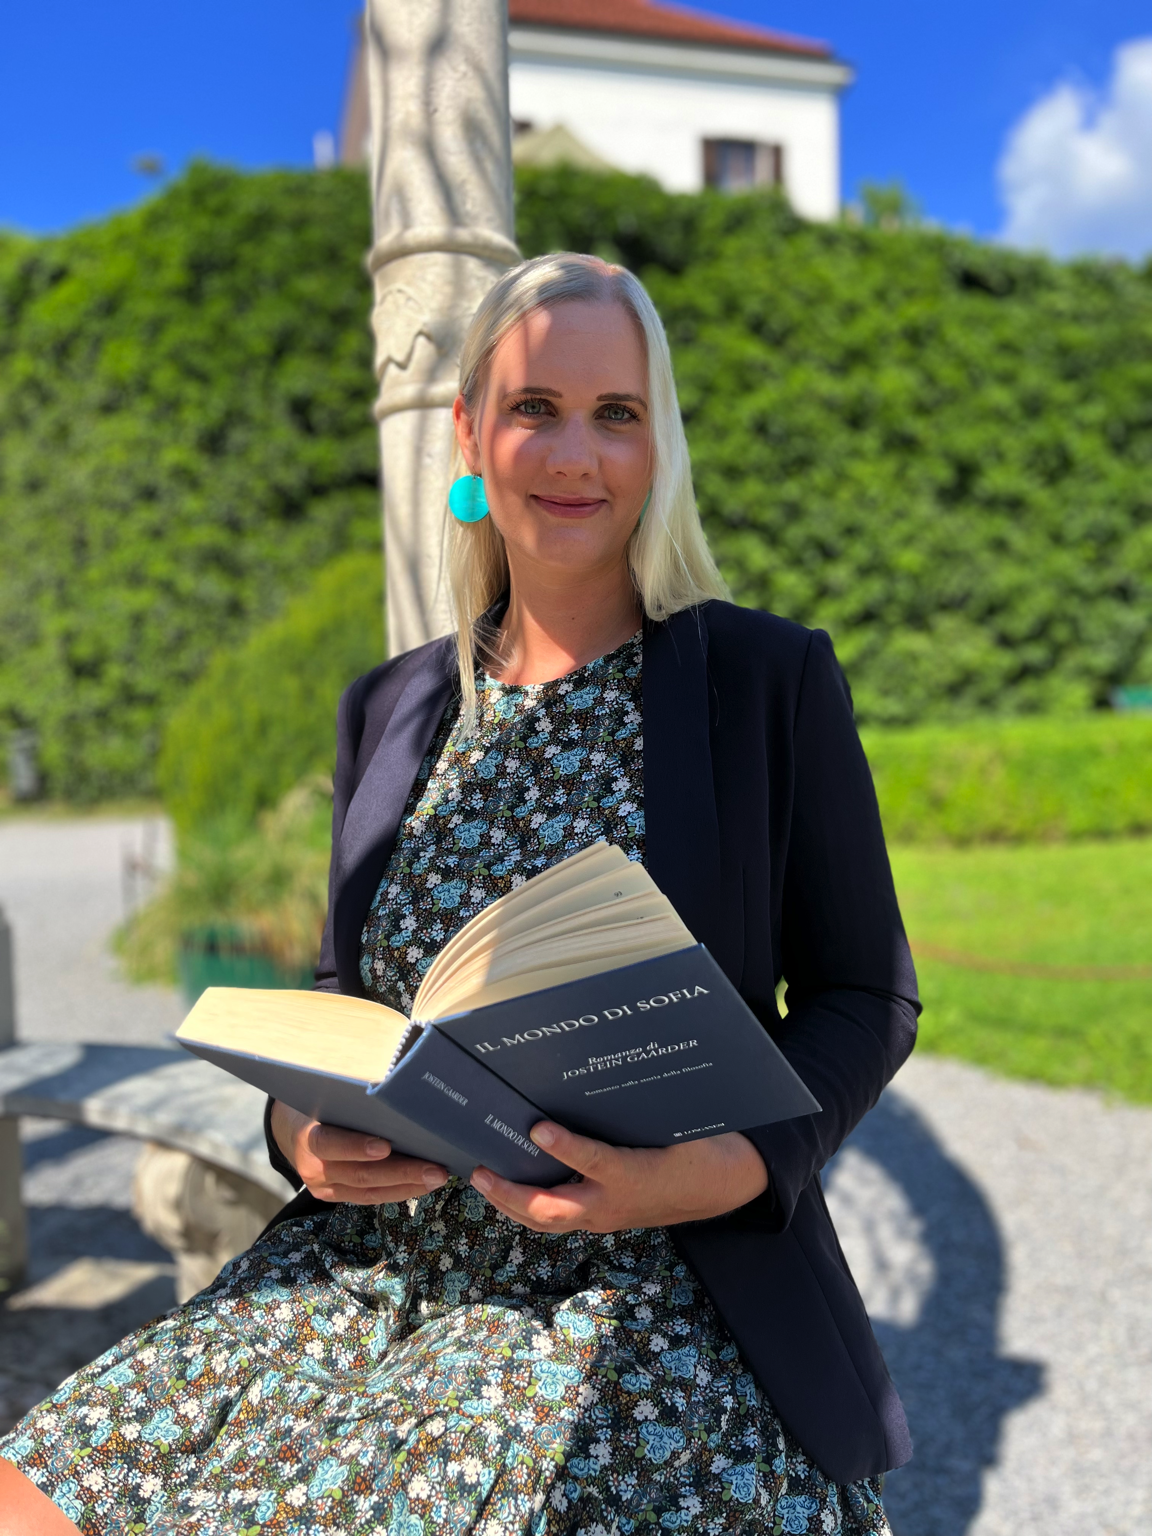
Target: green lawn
pixel 1066 905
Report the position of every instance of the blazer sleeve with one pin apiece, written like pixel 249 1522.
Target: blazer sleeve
pixel 349 728
pixel 851 986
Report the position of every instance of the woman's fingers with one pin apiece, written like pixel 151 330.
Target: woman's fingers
pixel 357 1194
pixel 594 1159
pixel 569 1207
pixel 338 1165
pixel 400 1178
pixel 566 1209
pixel 631 1186
pixel 397 1170
pixel 333 1144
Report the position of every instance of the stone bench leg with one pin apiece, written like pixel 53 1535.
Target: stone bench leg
pixel 13 1225
pixel 203 1215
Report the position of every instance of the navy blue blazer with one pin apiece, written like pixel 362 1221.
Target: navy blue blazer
pixel 762 829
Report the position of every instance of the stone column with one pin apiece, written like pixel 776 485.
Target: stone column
pixel 441 170
pixel 13 1228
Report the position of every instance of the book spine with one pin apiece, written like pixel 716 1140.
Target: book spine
pixel 440 1086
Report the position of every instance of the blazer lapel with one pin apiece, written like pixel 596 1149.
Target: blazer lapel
pixel 682 832
pixel 375 811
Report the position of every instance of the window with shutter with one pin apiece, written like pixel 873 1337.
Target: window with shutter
pixel 734 165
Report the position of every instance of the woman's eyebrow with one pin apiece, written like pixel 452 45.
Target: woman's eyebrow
pixel 555 394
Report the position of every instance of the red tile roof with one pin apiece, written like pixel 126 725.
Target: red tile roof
pixel 643 18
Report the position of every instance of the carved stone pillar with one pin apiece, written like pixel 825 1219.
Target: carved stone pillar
pixel 441 169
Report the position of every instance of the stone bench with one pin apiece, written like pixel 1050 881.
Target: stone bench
pixel 203 1188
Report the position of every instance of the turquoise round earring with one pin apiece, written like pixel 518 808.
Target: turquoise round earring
pixel 467 501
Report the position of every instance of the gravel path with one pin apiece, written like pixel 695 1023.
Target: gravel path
pixel 62 887
pixel 1001 1233
pixel 94 1275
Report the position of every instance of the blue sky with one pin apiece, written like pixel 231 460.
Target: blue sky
pixel 940 90
pixel 940 87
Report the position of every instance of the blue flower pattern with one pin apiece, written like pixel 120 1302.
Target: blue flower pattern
pixel 551 768
pixel 431 1368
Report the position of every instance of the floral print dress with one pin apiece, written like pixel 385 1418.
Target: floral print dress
pixel 431 1367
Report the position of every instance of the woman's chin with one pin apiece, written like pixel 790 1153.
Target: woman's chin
pixel 577 558
pixel 574 543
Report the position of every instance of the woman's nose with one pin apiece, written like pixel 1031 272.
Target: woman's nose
pixel 572 450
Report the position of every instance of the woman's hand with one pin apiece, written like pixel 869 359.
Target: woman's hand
pixel 631 1186
pixel 336 1164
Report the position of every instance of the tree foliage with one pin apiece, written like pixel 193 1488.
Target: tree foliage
pixel 940 451
pixel 262 716
pixel 185 434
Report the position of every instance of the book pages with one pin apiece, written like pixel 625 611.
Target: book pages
pixel 586 913
pixel 526 982
pixel 350 1036
pixel 536 943
pixel 569 879
pixel 592 912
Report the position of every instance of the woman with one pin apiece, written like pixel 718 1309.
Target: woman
pixel 674 1341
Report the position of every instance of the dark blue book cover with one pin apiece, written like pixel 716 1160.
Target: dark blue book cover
pixel 645 1055
pixel 436 1083
pixel 437 1103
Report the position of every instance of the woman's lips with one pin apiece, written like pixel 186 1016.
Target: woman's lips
pixel 577 507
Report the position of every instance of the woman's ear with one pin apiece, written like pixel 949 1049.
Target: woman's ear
pixel 466 434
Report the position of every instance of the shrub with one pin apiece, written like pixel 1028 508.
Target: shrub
pixel 263 714
pixel 185 435
pixel 938 450
pixel 1014 781
pixel 267 885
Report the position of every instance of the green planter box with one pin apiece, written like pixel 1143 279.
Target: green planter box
pixel 222 957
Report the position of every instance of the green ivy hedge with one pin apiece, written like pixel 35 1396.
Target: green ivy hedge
pixel 938 450
pixel 262 716
pixel 1020 781
pixel 185 435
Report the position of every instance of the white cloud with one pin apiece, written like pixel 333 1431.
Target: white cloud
pixel 1076 172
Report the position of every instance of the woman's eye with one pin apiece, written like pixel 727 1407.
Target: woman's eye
pixel 532 407
pixel 618 413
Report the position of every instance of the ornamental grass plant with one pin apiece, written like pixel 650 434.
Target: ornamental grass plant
pixel 265 886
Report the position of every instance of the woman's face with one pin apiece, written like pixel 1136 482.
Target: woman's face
pixel 561 436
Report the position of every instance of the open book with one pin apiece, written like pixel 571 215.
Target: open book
pixel 579 996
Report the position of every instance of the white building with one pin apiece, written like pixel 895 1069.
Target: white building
pixel 688 98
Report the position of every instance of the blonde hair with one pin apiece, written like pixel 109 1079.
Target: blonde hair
pixel 668 555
